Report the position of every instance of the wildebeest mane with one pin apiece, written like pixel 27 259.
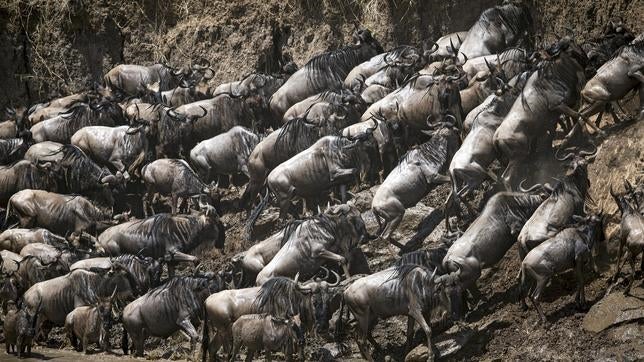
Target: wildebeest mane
pixel 279 297
pixel 516 208
pixel 180 291
pixel 335 64
pixel 433 151
pixel 340 153
pixel 295 136
pixel 136 268
pixel 430 259
pixel 321 225
pixel 161 227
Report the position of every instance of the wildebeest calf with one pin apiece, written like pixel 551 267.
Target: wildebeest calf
pixel 19 330
pixel 91 324
pixel 262 331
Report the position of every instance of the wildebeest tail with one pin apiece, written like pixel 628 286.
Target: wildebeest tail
pixel 205 336
pixel 7 213
pixel 252 218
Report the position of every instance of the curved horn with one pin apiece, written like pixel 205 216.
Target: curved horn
pixel 531 189
pixel 565 157
pixel 337 279
pixel 589 153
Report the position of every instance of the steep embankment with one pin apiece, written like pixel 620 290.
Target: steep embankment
pixel 53 47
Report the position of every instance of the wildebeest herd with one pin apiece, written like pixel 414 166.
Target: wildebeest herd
pixel 499 115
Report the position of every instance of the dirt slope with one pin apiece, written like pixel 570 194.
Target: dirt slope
pixel 53 47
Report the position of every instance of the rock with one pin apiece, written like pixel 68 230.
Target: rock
pixel 450 343
pixel 615 308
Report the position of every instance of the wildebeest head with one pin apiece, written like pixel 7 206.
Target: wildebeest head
pixel 211 218
pixel 105 312
pixel 322 291
pixel 364 37
pixel 349 224
pixel 450 289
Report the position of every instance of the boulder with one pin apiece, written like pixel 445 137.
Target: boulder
pixel 615 308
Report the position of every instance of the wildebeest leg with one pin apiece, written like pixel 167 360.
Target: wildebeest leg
pixel 632 277
pixel 85 344
pixel 410 333
pixel 174 203
pixel 417 315
pixel 325 254
pixel 619 258
pixel 269 356
pixel 190 330
pixel 579 274
pixel 146 203
pixel 540 284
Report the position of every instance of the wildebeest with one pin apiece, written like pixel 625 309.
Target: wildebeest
pixel 19 326
pixel 14 149
pixel 510 63
pixel 164 235
pixel 410 290
pixel 62 127
pixel 631 237
pixel 225 154
pixel 336 108
pixel 59 296
pixel 63 255
pixel 44 152
pixel 422 101
pixel 549 92
pixel 62 214
pixel 91 324
pixel 25 175
pixel 145 272
pixel 212 117
pixel 55 107
pixel 601 49
pixel 497 29
pixel 568 198
pixel 132 79
pixel 383 137
pixel 280 297
pixel 416 174
pixel 184 94
pixel 490 236
pixel 80 174
pixel 615 79
pixel 571 248
pixel 15 239
pixel 329 236
pixel 265 332
pixel 323 72
pixel 173 177
pixel 292 138
pixel 173 306
pixel 469 166
pixel 121 148
pixel 448 43
pixel 251 261
pixel 331 161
